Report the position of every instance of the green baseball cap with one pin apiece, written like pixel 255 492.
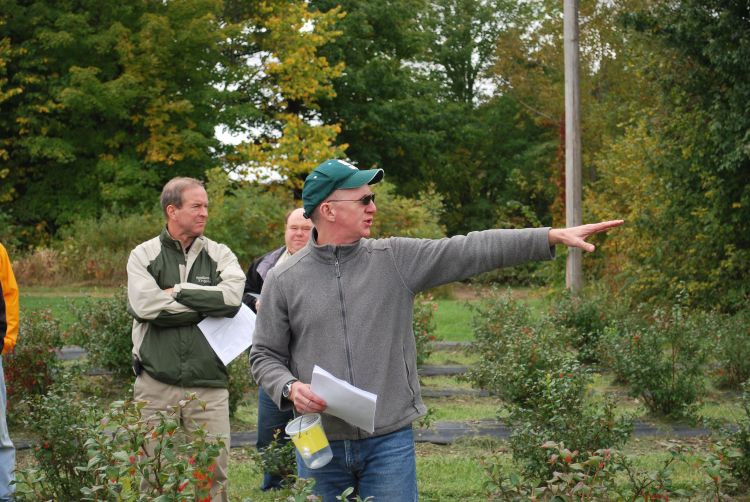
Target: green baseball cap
pixel 333 175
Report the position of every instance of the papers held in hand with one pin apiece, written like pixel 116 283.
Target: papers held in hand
pixel 229 336
pixel 345 401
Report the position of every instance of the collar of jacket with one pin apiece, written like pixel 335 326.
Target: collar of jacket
pixel 328 253
pixel 170 242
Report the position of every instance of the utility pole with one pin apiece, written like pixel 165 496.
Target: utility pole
pixel 573 209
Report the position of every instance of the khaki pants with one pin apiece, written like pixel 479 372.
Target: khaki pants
pixel 214 419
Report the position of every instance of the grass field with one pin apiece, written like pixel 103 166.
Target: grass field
pixel 454 315
pixel 453 321
pixel 59 300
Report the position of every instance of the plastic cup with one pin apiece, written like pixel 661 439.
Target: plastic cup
pixel 310 440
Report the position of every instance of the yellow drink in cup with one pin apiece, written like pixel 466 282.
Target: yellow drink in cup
pixel 310 440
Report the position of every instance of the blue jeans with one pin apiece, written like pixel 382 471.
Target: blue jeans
pixel 7 450
pixel 382 467
pixel 270 420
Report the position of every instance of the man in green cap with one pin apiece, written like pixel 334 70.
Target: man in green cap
pixel 344 303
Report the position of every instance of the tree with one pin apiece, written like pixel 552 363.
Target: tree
pixel 103 102
pixel 279 78
pixel 115 99
pixel 462 39
pixel 383 104
pixel 529 69
pixel 492 155
pixel 6 92
pixel 694 224
pixel 408 102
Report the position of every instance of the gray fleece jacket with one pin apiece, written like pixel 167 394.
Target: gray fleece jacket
pixel 349 310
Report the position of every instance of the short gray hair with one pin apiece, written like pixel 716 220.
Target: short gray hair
pixel 315 216
pixel 171 194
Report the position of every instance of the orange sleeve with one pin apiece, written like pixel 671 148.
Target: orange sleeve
pixel 10 295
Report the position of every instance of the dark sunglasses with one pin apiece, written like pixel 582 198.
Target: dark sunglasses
pixel 365 200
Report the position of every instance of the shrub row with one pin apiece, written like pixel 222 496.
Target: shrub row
pixel 525 361
pixel 664 354
pixel 540 366
pixel 609 474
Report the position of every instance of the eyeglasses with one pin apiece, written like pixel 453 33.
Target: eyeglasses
pixel 364 200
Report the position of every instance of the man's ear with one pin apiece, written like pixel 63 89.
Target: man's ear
pixel 327 212
pixel 170 210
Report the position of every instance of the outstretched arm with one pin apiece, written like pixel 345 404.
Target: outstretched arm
pixel 576 236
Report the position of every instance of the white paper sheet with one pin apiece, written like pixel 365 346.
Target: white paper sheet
pixel 229 336
pixel 349 403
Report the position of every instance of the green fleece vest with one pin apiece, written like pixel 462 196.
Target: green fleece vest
pixel 173 349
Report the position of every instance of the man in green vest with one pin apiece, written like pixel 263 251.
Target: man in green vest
pixel 175 280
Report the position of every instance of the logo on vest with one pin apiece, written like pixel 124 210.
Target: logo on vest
pixel 203 279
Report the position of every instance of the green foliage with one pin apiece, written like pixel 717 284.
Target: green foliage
pixel 733 450
pixel 680 174
pixel 731 349
pixel 561 414
pixel 523 360
pixel 176 468
pixel 592 478
pixel 101 104
pixel 526 274
pixel 8 232
pixel 103 327
pixel 32 366
pixel 62 422
pixel 240 381
pixel 346 496
pixel 423 326
pixel 386 109
pixel 301 490
pixel 628 188
pixel 485 182
pixel 528 69
pixel 605 474
pixel 278 458
pixel 112 95
pixel 488 183
pixel 584 319
pixel 664 362
pixel 514 348
pixel 586 315
pixel 461 42
pixel 616 351
pixel 276 66
pixel 247 218
pixel 739 459
pixel 410 101
pixel 96 250
pixel 407 217
pixel 89 454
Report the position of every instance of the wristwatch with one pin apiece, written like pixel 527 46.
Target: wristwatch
pixel 287 388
